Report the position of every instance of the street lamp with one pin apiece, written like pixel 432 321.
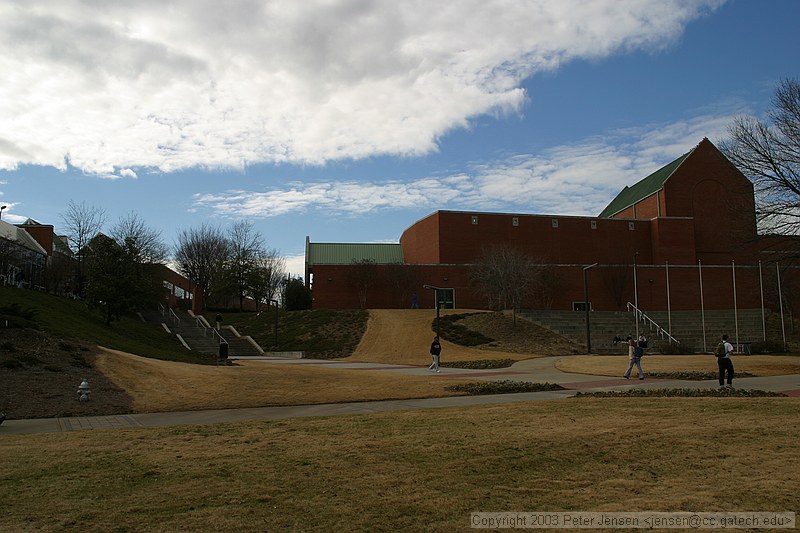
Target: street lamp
pixel 586 306
pixel 436 301
pixel 635 295
pixel 275 303
pixel 2 207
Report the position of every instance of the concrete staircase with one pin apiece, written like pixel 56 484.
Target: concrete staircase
pixel 687 327
pixel 197 335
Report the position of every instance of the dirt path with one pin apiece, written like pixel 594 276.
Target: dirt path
pixel 403 336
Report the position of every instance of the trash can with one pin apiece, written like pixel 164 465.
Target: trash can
pixel 223 350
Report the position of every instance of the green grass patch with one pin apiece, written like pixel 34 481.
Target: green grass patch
pixel 479 364
pixel 681 393
pixel 450 329
pixel 69 318
pixel 502 387
pixel 321 334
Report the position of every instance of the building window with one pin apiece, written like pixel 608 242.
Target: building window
pixel 631 226
pixel 594 224
pixel 515 221
pixel 555 222
pixel 474 220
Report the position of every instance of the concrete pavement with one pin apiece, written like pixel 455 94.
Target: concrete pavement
pixel 540 370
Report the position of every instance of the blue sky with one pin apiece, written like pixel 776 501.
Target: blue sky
pixel 347 121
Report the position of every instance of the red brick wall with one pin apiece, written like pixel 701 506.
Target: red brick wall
pixel 710 189
pixel 648 207
pixel 420 242
pixel 610 287
pixel 705 213
pixel 43 234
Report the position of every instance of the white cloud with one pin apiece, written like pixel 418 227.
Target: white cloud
pixel 295 265
pixel 109 87
pixel 579 179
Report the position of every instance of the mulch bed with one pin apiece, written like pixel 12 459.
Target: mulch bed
pixel 41 374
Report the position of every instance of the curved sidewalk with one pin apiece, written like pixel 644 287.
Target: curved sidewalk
pixel 541 370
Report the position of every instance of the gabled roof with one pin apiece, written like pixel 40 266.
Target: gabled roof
pixel 642 189
pixel 347 253
pixel 20 237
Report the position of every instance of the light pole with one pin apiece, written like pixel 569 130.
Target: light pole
pixel 586 306
pixel 275 303
pixel 436 302
pixel 2 207
pixel 635 295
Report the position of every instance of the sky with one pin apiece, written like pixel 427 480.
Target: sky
pixel 349 120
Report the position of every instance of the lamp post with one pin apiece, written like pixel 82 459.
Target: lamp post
pixel 275 303
pixel 635 295
pixel 586 305
pixel 436 302
pixel 2 207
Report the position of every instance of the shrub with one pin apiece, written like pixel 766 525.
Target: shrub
pixel 766 347
pixel 682 348
pixel 503 387
pixel 693 375
pixel 458 333
pixel 79 362
pixel 480 364
pixel 683 393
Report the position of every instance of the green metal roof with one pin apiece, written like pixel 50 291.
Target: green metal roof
pixel 642 189
pixel 346 253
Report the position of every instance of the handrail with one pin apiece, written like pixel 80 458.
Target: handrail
pixel 175 318
pixel 221 338
pixel 199 323
pixel 161 309
pixel 639 314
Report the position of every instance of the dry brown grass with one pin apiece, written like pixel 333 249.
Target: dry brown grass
pixel 757 365
pixel 157 386
pixel 394 336
pixel 412 471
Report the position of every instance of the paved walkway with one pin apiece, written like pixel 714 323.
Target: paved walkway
pixel 540 370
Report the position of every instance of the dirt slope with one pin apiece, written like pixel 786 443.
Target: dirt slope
pixel 404 336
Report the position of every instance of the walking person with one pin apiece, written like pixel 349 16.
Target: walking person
pixel 635 353
pixel 724 351
pixel 219 320
pixel 436 349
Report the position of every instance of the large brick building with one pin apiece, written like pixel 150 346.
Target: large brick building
pixel 681 238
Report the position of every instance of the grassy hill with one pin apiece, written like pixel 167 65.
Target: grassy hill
pixel 321 334
pixel 62 317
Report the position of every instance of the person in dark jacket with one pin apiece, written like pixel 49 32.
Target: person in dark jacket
pixel 436 349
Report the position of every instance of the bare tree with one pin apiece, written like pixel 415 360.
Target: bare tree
pixel 362 275
pixel 201 255
pixel 265 279
pixel 504 276
pixel 140 241
pixel 81 223
pixel 769 154
pixel 546 284
pixel 245 247
pixel 616 279
pixel 403 278
pixel 10 258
